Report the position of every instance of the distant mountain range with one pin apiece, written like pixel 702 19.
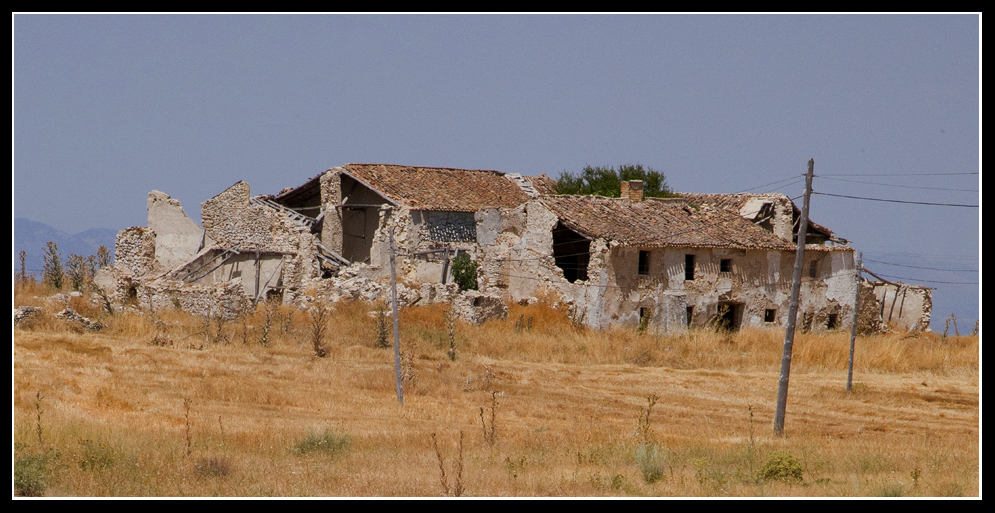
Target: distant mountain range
pixel 32 237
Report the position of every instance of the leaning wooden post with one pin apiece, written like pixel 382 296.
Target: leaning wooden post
pixel 853 329
pixel 397 336
pixel 789 330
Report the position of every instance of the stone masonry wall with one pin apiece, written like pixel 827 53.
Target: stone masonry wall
pixel 134 251
pixel 232 221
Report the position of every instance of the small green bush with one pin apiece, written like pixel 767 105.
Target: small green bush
pixel 29 476
pixel 326 442
pixel 465 272
pixel 650 459
pixel 782 466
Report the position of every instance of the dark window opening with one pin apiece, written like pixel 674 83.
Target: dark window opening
pixel 729 316
pixel 132 296
pixel 690 311
pixel 770 315
pixel 688 267
pixel 644 262
pixel 725 265
pixel 813 269
pixel 833 322
pixel 360 218
pixel 571 252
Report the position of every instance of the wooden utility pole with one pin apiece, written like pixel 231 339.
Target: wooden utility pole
pixel 397 336
pixel 853 329
pixel 796 283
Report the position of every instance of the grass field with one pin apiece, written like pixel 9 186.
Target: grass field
pixel 173 405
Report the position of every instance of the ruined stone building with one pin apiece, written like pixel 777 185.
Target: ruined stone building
pixel 670 263
pixel 702 259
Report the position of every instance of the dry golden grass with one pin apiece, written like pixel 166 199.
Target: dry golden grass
pixel 567 415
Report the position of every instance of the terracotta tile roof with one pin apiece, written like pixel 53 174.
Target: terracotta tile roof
pixel 736 202
pixel 440 188
pixel 543 184
pixel 733 202
pixel 660 223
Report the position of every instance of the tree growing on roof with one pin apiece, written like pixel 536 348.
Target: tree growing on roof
pixel 607 181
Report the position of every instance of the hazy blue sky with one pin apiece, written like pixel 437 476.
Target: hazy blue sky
pixel 109 107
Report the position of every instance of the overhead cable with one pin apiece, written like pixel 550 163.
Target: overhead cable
pixel 920 267
pixel 931 281
pixel 897 201
pixel 902 186
pixel 801 177
pixel 896 174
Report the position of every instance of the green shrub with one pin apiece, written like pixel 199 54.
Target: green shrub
pixel 29 475
pixel 326 442
pixel 465 272
pixel 782 466
pixel 650 459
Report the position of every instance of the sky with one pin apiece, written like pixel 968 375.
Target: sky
pixel 109 107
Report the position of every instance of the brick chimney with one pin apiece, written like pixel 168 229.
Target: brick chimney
pixel 633 190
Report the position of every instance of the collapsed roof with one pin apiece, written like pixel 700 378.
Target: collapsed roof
pixel 660 223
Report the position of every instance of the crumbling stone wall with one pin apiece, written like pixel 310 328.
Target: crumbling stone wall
pixel 331 196
pixel 233 222
pixel 869 312
pixel 517 262
pixel 902 307
pixel 134 251
pixel 226 300
pixel 477 307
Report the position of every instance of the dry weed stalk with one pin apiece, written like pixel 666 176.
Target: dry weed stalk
pixel 489 433
pixel 750 453
pixel 644 418
pixel 186 408
pixel 319 326
pixel 382 326
pixel 38 398
pixel 215 334
pixel 269 310
pixel 224 447
pixel 450 319
pixel 457 491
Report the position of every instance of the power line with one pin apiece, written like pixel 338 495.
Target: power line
pixel 897 201
pixel 789 184
pixel 796 178
pixel 902 186
pixel 931 281
pixel 919 267
pixel 897 174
